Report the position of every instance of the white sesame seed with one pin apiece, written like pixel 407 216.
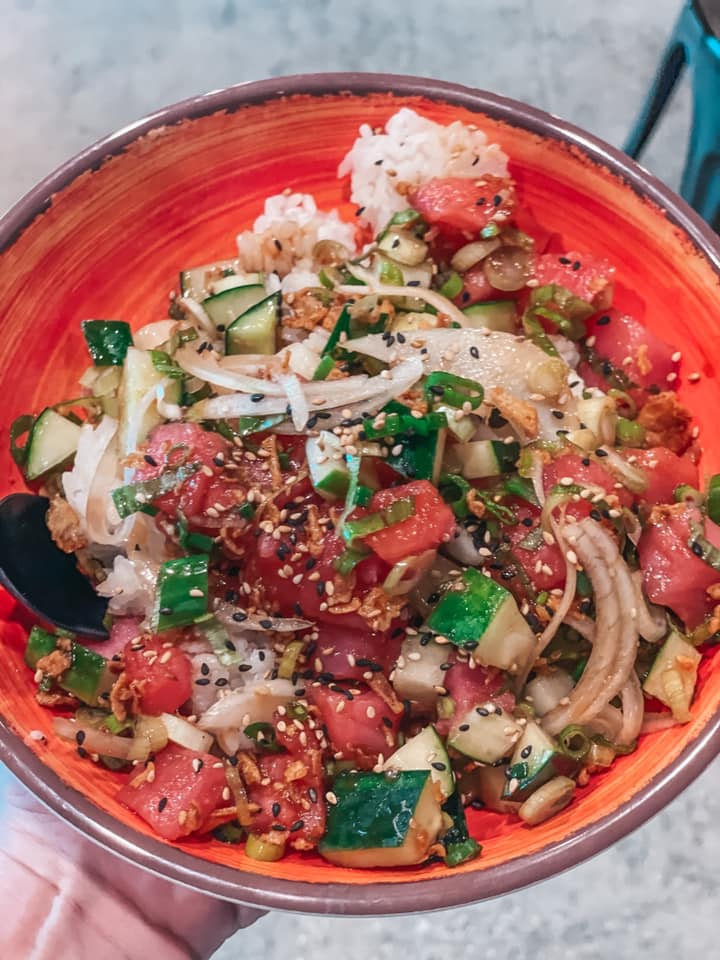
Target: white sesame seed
pixel 671 377
pixel 36 735
pixel 676 357
pixel 694 377
pixel 340 706
pixel 566 481
pixel 571 557
pixel 590 341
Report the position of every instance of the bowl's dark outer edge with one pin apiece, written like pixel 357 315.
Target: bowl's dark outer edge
pixel 383 898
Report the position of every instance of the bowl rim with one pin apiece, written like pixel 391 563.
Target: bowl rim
pixel 372 899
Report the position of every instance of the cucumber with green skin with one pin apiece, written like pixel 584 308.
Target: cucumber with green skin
pixel 535 760
pixel 485 617
pixel 382 819
pixel 328 468
pixel 425 751
pixel 88 676
pixel 53 440
pixel 486 458
pixel 193 281
pixel 673 675
pixel 253 330
pixel 418 671
pixel 107 341
pixel 224 308
pixel 138 379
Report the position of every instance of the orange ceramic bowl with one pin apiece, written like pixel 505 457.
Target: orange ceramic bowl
pixel 104 237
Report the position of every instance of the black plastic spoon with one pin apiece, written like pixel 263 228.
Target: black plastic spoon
pixel 39 575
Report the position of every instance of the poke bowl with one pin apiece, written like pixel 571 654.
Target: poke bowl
pixel 599 245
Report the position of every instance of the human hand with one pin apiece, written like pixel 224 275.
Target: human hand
pixel 65 898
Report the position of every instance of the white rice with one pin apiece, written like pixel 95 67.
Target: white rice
pixel 295 223
pixel 413 150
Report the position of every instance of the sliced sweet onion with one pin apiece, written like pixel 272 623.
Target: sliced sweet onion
pixel 186 734
pixel 167 410
pixel 435 299
pixel 237 788
pixel 630 476
pixel 199 314
pixel 509 268
pixel 359 394
pixel 252 621
pixel 616 638
pixel 228 717
pixel 297 400
pixel 406 574
pixel 633 708
pixel 652 722
pixel 153 335
pixel 94 741
pixel 206 367
pixel 472 253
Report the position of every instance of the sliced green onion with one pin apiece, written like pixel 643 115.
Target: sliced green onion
pixel 396 423
pixel 453 390
pixel 684 493
pixel 289 660
pixel 350 558
pixel 229 832
pixel 263 736
pixel 181 596
pixel 189 540
pixel 165 364
pixel 702 548
pixel 363 526
pixel 363 495
pixel 489 231
pixel 454 490
pixel 137 497
pixel 391 273
pixel 629 433
pixel 452 286
pixel 574 742
pixel 518 486
pixel 342 325
pixel 398 511
pixel 258 849
pixel 535 332
pixel 107 341
pixel 713 498
pixel 323 368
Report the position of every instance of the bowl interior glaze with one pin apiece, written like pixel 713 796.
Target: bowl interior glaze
pixel 173 192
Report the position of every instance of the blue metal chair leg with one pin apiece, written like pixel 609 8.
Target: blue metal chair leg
pixel 694 46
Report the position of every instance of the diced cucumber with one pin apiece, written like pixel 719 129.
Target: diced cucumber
pixel 139 378
pixel 535 760
pixel 224 308
pixel 463 429
pixel 329 473
pixel 88 677
pixel 211 278
pixel 673 675
pixel 53 440
pixel 486 458
pixel 425 751
pixel 485 734
pixel 417 674
pixel 382 819
pixel 107 341
pixel 494 315
pixel 487 784
pixel 420 458
pixel 254 330
pixel 485 613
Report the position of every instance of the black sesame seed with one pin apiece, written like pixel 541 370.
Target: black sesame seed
pixel 278 245
pixel 261 655
pixel 204 669
pixel 697 549
pixel 480 201
pixel 220 328
pixel 482 712
pixel 576 265
pixel 438 765
pixel 256 397
pixel 360 211
pixel 221 682
pixel 378 163
pixel 239 616
pixel 527 522
pixel 298 825
pixel 463 727
pixel 244 667
pixel 558 414
pixel 497 200
pixel 413 283
pixel 266 624
pixel 151 460
pixel 202 681
pixel 400 337
pixel 474 353
pixel 526 751
pixel 162 804
pixel 600 452
pixel 585 461
pixel 387 722
pixel 312 422
pixel 320 587
pixel 445 666
pixel 166 611
pixel 278 827
pixel 276 809
pixel 79 737
pixel 564 260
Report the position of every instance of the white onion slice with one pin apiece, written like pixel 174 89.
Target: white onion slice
pixel 252 621
pixel 199 314
pixel 206 367
pixel 186 734
pixel 299 408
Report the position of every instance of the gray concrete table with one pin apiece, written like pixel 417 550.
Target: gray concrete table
pixel 73 71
